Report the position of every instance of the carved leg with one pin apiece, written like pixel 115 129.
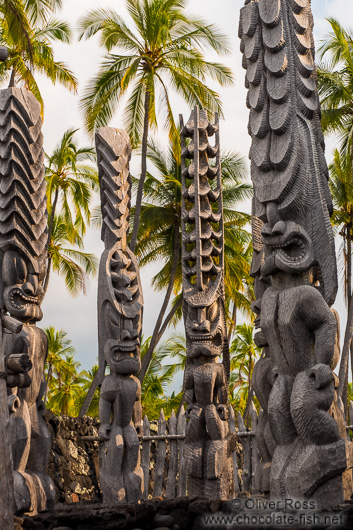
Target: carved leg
pixel 20 427
pixel 133 474
pixel 110 474
pixel 280 419
pixel 40 443
pixel 194 441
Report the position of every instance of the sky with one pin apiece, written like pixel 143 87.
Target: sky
pixel 78 317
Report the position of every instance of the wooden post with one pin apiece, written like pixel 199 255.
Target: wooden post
pixel 173 459
pixel 182 462
pixel 350 417
pixel 235 463
pixel 145 459
pixel 255 451
pixel 161 452
pixel 7 508
pixel 247 454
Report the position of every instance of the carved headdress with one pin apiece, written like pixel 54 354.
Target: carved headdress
pixel 23 215
pixel 288 165
pixel 120 299
pixel 202 239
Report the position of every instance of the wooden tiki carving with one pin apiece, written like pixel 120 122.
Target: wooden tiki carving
pixel 301 432
pixel 23 254
pixel 209 443
pixel 120 304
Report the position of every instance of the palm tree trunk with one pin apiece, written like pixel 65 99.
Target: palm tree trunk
pixel 168 319
pixel 148 356
pixel 345 350
pixel 234 322
pixel 12 78
pixel 349 297
pixel 143 174
pixel 88 399
pixel 50 369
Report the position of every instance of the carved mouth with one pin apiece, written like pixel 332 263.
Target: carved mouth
pixel 20 300
pixel 294 249
pixel 209 339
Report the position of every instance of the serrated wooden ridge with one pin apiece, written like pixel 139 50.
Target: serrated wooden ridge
pixel 114 152
pixel 288 164
pixel 202 207
pixel 23 216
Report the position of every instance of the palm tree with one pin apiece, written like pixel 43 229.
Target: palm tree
pixel 158 378
pixel 335 82
pixel 87 377
pixel 63 397
pixel 71 181
pixel 341 187
pixel 72 264
pixel 244 354
pixel 165 48
pixel 59 346
pixel 27 33
pixel 160 233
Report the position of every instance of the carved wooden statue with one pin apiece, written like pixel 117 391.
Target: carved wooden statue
pixel 209 444
pixel 120 304
pixel 23 254
pixel 301 433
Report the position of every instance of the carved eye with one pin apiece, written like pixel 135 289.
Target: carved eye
pixel 14 269
pixel 213 311
pixel 21 269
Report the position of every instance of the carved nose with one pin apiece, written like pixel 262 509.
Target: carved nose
pixel 203 327
pixel 125 335
pixel 28 289
pixel 279 228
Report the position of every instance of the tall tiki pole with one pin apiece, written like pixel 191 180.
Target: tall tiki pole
pixel 6 477
pixel 120 304
pixel 209 444
pixel 301 432
pixel 23 254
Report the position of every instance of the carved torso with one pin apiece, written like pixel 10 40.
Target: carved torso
pixel 122 392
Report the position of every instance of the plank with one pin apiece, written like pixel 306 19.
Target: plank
pixel 246 441
pixel 161 454
pixel 145 458
pixel 255 458
pixel 173 458
pixel 182 462
pixel 235 463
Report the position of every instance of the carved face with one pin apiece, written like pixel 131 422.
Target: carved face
pixel 122 357
pixel 289 248
pixel 122 315
pixel 22 287
pixel 204 329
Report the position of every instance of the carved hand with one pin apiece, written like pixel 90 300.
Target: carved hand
pixel 104 431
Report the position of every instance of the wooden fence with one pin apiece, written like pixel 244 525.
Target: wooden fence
pixel 162 450
pixel 165 468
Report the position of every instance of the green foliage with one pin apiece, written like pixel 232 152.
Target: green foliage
pixel 73 264
pixel 158 379
pixel 71 180
pixel 244 354
pixel 164 49
pixel 335 83
pixel 66 386
pixel 27 29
